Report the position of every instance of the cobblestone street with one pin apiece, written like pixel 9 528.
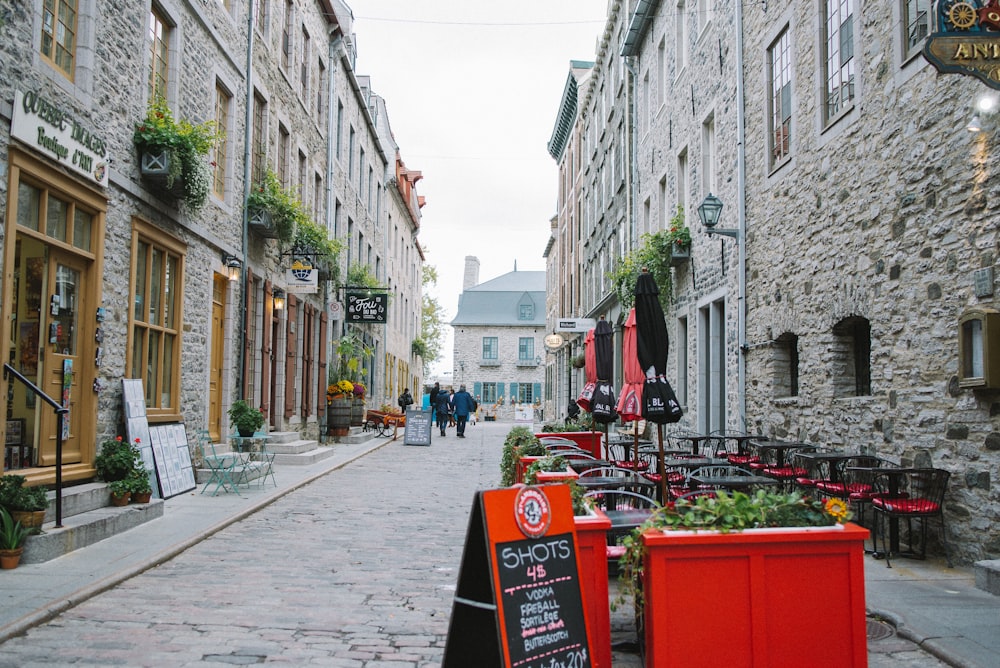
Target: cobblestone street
pixel 356 569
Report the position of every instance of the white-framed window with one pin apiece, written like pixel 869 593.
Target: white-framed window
pixel 681 37
pixel 491 347
pixel 525 348
pixel 682 180
pixel 916 24
pixel 706 10
pixel 708 155
pixel 838 58
pixel 779 63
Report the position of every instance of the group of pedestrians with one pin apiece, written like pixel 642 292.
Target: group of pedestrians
pixel 452 408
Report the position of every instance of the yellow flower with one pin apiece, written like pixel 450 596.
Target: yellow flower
pixel 837 508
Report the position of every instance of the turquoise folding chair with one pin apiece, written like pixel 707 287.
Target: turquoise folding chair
pixel 225 469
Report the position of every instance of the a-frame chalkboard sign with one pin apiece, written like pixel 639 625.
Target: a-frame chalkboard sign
pixel 518 603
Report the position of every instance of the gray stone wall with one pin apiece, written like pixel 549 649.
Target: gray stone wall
pixel 884 214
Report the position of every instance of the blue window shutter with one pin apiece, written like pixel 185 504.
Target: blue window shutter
pixel 477 389
pixel 536 393
pixel 513 393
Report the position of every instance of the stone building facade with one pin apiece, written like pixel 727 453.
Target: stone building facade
pixel 563 263
pixel 114 276
pixel 498 350
pixel 684 60
pixel 871 230
pixel 852 305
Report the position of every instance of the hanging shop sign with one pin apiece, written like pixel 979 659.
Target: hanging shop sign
pixel 363 307
pixel 575 324
pixel 53 131
pixel 302 277
pixel 967 40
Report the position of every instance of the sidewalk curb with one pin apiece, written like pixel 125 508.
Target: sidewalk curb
pixel 55 607
pixel 929 644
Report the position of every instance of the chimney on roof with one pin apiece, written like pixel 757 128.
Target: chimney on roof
pixel 471 278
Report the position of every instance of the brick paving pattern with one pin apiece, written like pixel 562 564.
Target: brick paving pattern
pixel 355 570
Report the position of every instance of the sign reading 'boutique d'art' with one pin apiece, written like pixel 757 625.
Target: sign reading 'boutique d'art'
pixel 967 40
pixel 40 123
pixel 366 307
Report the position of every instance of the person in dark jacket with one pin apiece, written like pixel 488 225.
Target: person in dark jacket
pixel 442 407
pixel 433 395
pixel 405 399
pixel 463 404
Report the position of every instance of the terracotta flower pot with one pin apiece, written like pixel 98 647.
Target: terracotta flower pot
pixel 141 498
pixel 121 499
pixel 10 558
pixel 29 519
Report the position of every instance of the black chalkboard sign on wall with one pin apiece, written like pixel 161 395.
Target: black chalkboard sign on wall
pixel 518 600
pixel 418 427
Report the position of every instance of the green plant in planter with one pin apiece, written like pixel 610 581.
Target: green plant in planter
pixel 677 232
pixel 12 534
pixel 116 459
pixel 520 442
pixel 15 496
pixel 138 482
pixel 245 417
pixel 313 240
pixel 120 488
pixel 550 463
pixel 654 254
pixel 186 144
pixel 726 512
pixel 283 205
pixel 352 351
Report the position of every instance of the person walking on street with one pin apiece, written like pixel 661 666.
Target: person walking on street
pixel 405 399
pixel 463 404
pixel 442 407
pixel 434 394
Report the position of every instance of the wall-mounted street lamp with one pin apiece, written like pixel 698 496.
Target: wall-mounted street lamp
pixel 538 360
pixel 233 267
pixel 710 211
pixel 279 299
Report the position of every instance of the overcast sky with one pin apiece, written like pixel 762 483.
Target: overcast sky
pixel 472 89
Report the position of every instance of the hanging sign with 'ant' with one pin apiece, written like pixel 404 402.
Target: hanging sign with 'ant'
pixel 518 602
pixel 967 40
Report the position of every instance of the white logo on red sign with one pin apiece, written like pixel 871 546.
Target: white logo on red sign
pixel 532 512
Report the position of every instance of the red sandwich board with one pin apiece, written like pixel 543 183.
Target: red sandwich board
pixel 518 603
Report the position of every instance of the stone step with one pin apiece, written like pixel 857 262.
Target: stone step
pixel 78 499
pixel 303 458
pixel 86 528
pixel 988 575
pixel 292 447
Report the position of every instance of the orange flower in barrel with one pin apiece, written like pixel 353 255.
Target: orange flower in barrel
pixel 837 508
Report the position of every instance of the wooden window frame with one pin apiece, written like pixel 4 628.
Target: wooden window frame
pixel 159 32
pixel 57 46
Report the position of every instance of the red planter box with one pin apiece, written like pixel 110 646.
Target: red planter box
pixel 546 477
pixel 588 440
pixel 522 467
pixel 591 544
pixel 764 597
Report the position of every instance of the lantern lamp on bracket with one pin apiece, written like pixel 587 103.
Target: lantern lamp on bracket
pixel 234 268
pixel 279 299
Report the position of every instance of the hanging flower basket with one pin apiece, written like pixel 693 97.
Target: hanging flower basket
pixel 262 224
pixel 679 253
pixel 154 167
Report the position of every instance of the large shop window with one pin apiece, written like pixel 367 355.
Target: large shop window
pixel 155 344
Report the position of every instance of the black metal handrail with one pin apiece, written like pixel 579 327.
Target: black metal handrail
pixel 60 411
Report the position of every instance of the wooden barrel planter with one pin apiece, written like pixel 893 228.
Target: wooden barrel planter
pixel 357 412
pixel 338 417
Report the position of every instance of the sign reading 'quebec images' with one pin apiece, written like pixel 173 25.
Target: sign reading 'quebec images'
pixel 967 40
pixel 365 307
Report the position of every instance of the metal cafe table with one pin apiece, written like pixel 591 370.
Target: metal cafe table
pixel 254 456
pixel 780 449
pixel 732 482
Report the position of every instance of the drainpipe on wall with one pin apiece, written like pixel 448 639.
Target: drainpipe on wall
pixel 247 153
pixel 741 185
pixel 333 54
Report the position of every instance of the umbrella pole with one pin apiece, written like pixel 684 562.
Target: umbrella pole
pixel 635 445
pixel 663 475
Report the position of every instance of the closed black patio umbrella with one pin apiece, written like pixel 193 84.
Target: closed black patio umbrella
pixel 652 344
pixel 603 403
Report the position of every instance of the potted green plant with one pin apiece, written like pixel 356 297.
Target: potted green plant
pixel 679 237
pixel 273 212
pixel 116 459
pixel 247 419
pixel 520 442
pixel 776 542
pixel 121 492
pixel 139 486
pixel 12 537
pixel 26 505
pixel 173 154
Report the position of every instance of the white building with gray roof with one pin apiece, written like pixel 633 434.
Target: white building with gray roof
pixel 498 336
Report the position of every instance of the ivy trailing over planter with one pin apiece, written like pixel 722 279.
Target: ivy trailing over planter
pixel 654 254
pixel 282 206
pixel 520 442
pixel 419 347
